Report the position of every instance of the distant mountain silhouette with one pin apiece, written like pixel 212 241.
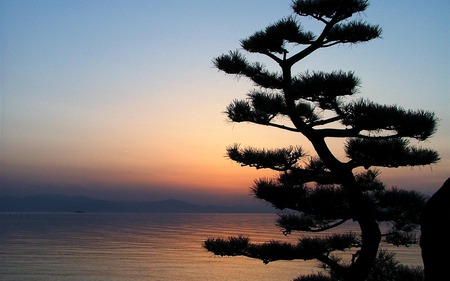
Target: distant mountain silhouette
pixel 61 203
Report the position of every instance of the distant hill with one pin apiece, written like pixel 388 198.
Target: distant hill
pixel 61 203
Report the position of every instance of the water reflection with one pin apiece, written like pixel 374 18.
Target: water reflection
pixel 139 247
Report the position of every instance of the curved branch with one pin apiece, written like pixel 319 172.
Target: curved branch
pixel 272 56
pixel 333 264
pixel 330 226
pixel 280 127
pixel 319 18
pixel 332 43
pixel 315 44
pixel 304 223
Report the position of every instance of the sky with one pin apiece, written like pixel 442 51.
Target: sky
pixel 120 99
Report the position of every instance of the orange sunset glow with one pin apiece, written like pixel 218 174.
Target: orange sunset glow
pixel 124 102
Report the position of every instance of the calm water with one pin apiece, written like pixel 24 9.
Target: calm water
pixel 125 247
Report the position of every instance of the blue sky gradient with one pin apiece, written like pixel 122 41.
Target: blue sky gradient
pixel 119 99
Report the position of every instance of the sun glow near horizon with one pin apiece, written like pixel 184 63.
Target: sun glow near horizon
pixel 125 100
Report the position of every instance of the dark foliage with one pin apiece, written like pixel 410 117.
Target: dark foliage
pixel 318 193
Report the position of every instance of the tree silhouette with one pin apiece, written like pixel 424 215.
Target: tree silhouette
pixel 323 192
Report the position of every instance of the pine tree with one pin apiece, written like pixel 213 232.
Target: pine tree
pixel 323 192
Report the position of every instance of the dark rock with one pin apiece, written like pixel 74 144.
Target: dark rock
pixel 434 239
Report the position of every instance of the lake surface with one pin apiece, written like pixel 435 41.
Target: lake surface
pixel 126 247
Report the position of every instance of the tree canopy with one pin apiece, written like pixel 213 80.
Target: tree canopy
pixel 323 191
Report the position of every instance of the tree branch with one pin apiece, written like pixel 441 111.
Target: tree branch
pixel 280 127
pixel 338 133
pixel 325 121
pixel 272 56
pixel 315 45
pixel 319 19
pixel 331 43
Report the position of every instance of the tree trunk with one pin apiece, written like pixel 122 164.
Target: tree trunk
pixel 363 212
pixel 371 237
